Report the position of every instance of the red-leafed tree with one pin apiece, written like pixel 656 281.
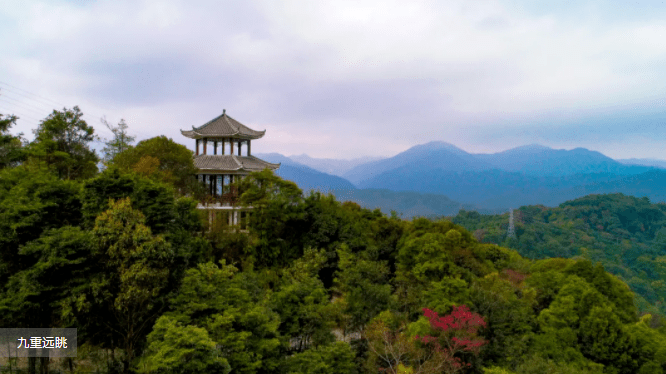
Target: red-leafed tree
pixel 455 335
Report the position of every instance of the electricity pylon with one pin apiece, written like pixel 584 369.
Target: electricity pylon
pixel 511 233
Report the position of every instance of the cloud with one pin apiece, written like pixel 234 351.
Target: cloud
pixel 339 77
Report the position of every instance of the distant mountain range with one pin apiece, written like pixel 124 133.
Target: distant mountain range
pixel 645 162
pixel 306 177
pixel 438 177
pixel 332 166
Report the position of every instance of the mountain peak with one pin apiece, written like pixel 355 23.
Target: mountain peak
pixel 529 147
pixel 435 146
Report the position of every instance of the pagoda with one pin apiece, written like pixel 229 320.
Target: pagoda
pixel 222 157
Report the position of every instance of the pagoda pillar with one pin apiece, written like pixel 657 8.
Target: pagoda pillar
pixel 215 147
pixel 205 144
pixel 231 146
pixel 239 147
pixel 197 146
pixel 248 148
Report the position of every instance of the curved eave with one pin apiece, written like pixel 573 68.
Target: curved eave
pixel 193 134
pixel 268 164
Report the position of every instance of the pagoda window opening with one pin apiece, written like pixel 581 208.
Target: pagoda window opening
pixel 226 181
pixel 219 190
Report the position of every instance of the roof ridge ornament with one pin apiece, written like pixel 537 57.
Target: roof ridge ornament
pixel 224 111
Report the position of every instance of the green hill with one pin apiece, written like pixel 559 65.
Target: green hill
pixel 627 235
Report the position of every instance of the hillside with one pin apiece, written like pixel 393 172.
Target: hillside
pixel 522 176
pixel 544 161
pixel 314 283
pixel 332 166
pixel 405 203
pixel 304 176
pixel 627 235
pixel 526 175
pixel 644 162
pixel 433 155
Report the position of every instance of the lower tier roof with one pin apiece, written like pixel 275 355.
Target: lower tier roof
pixel 232 163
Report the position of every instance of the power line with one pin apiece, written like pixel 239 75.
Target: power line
pixel 34 94
pixel 49 102
pixel 21 109
pixel 23 119
pixel 42 102
pixel 11 101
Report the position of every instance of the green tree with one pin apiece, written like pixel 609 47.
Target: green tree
pixel 507 309
pixel 11 150
pixel 120 142
pixel 276 222
pixel 234 312
pixel 34 296
pixel 365 288
pixel 174 348
pixel 161 159
pixel 30 203
pixel 333 358
pixel 154 199
pixel 306 314
pixel 62 141
pixel 128 287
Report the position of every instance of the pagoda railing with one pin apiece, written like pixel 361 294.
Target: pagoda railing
pixel 229 197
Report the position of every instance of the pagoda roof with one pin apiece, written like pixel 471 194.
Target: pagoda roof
pixel 232 163
pixel 223 126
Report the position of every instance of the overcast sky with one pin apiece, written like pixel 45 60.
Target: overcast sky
pixel 346 79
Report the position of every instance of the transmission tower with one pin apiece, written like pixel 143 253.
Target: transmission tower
pixel 511 233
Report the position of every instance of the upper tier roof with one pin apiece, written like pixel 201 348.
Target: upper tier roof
pixel 223 126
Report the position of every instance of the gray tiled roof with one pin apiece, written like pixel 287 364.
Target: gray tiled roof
pixel 232 162
pixel 223 126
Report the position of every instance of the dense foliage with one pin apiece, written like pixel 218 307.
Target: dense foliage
pixel 312 286
pixel 626 235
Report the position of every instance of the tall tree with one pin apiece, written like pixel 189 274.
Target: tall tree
pixel 232 307
pixel 127 290
pixel 120 142
pixel 62 141
pixel 11 152
pixel 277 219
pixel 162 159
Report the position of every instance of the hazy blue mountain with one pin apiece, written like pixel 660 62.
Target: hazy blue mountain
pixel 439 179
pixel 332 166
pixel 406 203
pixel 305 177
pixel 498 189
pixel 651 184
pixel 536 159
pixel 433 155
pixel 644 162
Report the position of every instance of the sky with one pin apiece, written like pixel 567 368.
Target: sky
pixel 347 79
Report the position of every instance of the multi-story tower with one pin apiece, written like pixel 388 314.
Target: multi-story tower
pixel 223 156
